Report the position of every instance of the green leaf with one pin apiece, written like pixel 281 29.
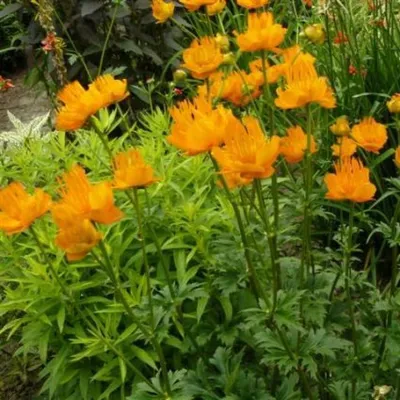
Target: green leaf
pixel 9 9
pixel 201 306
pixel 122 367
pixel 143 356
pixel 227 306
pixel 61 318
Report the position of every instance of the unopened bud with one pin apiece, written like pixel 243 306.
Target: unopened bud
pixel 222 42
pixel 315 33
pixel 180 76
pixel 229 59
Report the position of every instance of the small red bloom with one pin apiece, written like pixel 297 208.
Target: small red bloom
pixel 340 38
pixel 307 3
pixel 5 84
pixel 178 91
pixel 48 44
pixel 352 70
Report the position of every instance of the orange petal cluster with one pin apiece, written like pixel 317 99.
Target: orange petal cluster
pixel 294 145
pixel 370 135
pixel 238 87
pixel 19 209
pixel 350 182
pixel 397 157
pixel 216 7
pixel 251 4
pixel 248 154
pixel 262 33
pixel 198 127
pixel 80 104
pixel 345 147
pixel 162 10
pixel 131 171
pixel 203 57
pixel 304 86
pixel 82 201
pixel 194 5
pixel 341 127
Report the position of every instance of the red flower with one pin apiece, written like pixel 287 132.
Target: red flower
pixel 5 84
pixel 49 42
pixel 352 70
pixel 178 92
pixel 340 38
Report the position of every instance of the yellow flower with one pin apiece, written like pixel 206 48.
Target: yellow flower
pixel 78 239
pixel 249 4
pixel 216 7
pixel 315 33
pixel 80 104
pixel 393 104
pixel 85 200
pixel 397 157
pixel 203 57
pixel 19 209
pixel 294 145
pixel 341 127
pixel 370 135
pixel 130 171
pixel 350 182
pixel 257 73
pixel 198 127
pixel 304 86
pixel 262 33
pixel 193 5
pixel 345 147
pixel 248 154
pixel 162 11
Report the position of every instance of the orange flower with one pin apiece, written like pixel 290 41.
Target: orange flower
pixel 257 74
pixel 193 5
pixel 247 154
pixel 162 11
pixel 350 182
pixel 238 87
pixel 130 171
pixel 370 135
pixel 78 239
pixel 294 145
pixel 345 147
pixel 304 86
pixel 203 57
pixel 85 200
pixel 341 126
pixel 249 4
pixel 307 3
pixel 397 157
pixel 80 104
pixel 198 127
pixel 262 33
pixel 19 209
pixel 216 7
pixel 393 104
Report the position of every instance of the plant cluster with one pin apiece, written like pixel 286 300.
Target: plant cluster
pixel 232 246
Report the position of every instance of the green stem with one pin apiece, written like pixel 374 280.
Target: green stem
pixel 142 240
pixel 347 271
pixel 120 293
pixel 103 53
pixel 271 243
pixel 252 271
pixel 274 180
pixel 103 138
pixel 48 262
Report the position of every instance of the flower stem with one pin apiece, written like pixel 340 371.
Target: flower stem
pixel 271 243
pixel 48 262
pixel 144 253
pixel 120 294
pixel 252 271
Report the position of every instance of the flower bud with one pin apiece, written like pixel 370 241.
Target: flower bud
pixel 315 33
pixel 393 104
pixel 222 42
pixel 341 126
pixel 180 76
pixel 397 157
pixel 229 59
